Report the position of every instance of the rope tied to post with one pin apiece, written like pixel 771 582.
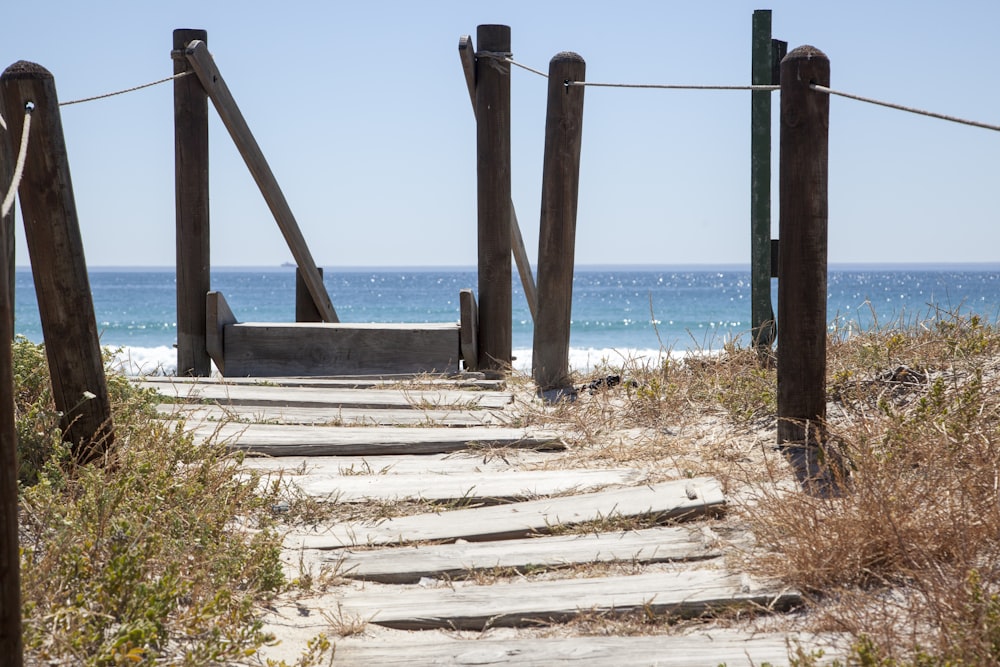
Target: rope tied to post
pixel 8 200
pixel 899 107
pixel 127 90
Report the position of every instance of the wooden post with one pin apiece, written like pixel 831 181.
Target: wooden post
pixel 211 80
pixel 10 577
pixel 762 314
pixel 493 187
pixel 557 232
pixel 466 54
pixel 192 211
pixel 802 269
pixel 55 247
pixel 8 157
pixel 305 307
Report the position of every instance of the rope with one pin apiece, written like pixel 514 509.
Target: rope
pixel 530 69
pixel 670 86
pixel 3 124
pixel 8 201
pixel 127 90
pixel 900 107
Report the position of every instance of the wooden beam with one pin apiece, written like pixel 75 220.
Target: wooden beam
pixel 802 266
pixel 264 349
pixel 10 563
pixel 469 326
pixel 667 501
pixel 58 264
pixel 217 317
pixel 493 198
pixel 407 565
pixel 211 79
pixel 330 397
pixel 557 235
pixel 191 210
pixel 466 53
pixel 284 440
pixel 682 593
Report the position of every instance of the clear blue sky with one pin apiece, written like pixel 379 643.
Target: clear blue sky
pixel 362 111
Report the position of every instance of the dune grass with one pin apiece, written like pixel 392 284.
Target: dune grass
pixel 158 553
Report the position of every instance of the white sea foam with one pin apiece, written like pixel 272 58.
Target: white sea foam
pixel 162 360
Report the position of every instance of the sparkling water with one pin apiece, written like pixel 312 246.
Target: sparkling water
pixel 618 312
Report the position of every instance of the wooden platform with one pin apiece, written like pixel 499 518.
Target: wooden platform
pixel 420 571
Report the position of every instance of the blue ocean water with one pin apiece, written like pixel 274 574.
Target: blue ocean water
pixel 618 312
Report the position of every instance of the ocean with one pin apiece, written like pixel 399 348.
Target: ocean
pixel 619 313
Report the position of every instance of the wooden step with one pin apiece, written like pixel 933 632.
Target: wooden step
pixel 462 380
pixel 455 463
pixel 666 501
pixel 698 649
pixel 409 564
pixel 465 606
pixel 276 395
pixel 194 412
pixel 285 440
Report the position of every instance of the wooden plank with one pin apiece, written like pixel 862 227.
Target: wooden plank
pixel 463 606
pixel 203 64
pixel 217 316
pixel 384 381
pixel 761 311
pixel 407 565
pixel 280 440
pixel 262 349
pixel 242 394
pixel 676 500
pixel 486 486
pixel 699 649
pixel 403 464
pixel 469 326
pixel 339 416
pixel 191 210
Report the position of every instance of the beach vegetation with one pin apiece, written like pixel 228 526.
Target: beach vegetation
pixel 158 553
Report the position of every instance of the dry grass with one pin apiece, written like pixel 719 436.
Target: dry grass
pixel 907 559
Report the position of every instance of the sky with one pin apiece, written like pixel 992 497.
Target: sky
pixel 362 111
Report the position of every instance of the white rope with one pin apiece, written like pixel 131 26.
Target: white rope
pixel 900 107
pixel 530 69
pixel 3 124
pixel 671 86
pixel 127 90
pixel 8 201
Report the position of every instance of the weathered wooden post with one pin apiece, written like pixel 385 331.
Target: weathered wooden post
pixel 802 269
pixel 192 209
pixel 52 232
pixel 494 189
pixel 766 53
pixel 10 575
pixel 557 232
pixel 7 162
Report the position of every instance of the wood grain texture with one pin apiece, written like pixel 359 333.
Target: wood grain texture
pixel 58 264
pixel 467 487
pixel 557 234
pixel 191 210
pixel 203 64
pixel 266 349
pixel 325 416
pixel 469 329
pixel 282 440
pixel 493 197
pixel 684 499
pixel 682 593
pixel 331 397
pixel 407 565
pixel 217 317
pixel 696 649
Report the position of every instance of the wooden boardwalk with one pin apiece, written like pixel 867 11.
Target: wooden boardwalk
pixel 467 567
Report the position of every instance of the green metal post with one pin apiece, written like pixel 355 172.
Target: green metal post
pixel 761 312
